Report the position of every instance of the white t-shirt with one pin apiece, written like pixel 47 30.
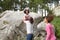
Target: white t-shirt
pixel 29 26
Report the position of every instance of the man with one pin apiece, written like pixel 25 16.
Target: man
pixel 28 20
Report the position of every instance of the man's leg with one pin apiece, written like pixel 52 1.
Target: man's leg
pixel 29 36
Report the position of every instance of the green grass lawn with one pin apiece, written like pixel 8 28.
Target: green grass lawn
pixel 56 23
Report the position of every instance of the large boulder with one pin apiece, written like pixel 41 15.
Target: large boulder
pixel 12 27
pixel 56 11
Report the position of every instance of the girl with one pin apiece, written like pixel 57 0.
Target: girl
pixel 50 28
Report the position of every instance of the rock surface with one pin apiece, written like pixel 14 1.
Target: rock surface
pixel 57 11
pixel 12 27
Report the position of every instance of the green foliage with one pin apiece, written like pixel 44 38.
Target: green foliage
pixel 23 4
pixel 34 4
pixel 6 4
pixel 41 1
pixel 56 23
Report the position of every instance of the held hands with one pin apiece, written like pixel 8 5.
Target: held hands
pixel 27 18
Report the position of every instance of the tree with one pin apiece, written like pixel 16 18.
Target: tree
pixel 23 3
pixel 35 3
pixel 6 4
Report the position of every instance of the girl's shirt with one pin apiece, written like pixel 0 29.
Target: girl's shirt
pixel 50 32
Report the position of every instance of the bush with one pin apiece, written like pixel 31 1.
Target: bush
pixel 56 23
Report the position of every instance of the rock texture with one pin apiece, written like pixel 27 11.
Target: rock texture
pixel 56 11
pixel 12 27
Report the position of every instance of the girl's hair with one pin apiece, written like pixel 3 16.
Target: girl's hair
pixel 50 17
pixel 25 11
pixel 31 20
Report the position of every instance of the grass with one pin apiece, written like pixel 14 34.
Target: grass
pixel 56 23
